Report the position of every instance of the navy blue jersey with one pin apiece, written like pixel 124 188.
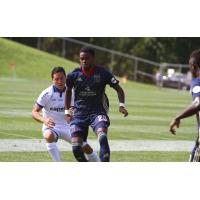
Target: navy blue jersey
pixel 89 90
pixel 195 91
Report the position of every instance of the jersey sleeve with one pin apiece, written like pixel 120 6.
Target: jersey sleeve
pixel 111 80
pixel 69 80
pixel 196 91
pixel 42 99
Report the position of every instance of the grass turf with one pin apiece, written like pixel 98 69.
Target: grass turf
pixel 136 156
pixel 150 109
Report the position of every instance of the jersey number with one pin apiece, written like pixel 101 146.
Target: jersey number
pixel 102 118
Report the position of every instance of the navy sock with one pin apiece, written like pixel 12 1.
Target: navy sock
pixel 104 148
pixel 78 153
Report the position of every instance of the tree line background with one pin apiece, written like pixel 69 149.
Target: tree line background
pixel 157 49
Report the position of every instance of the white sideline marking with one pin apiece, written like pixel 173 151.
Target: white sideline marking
pixel 7 145
pixel 18 135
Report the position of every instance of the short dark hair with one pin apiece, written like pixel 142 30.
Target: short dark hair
pixel 57 70
pixel 196 55
pixel 89 50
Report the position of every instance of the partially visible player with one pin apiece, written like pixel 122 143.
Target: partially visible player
pixel 90 103
pixel 51 102
pixel 194 107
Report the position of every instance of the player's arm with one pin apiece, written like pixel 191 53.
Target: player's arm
pixel 36 115
pixel 68 112
pixel 187 112
pixel 121 97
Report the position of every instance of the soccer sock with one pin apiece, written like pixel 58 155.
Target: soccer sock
pixel 93 157
pixel 196 155
pixel 90 154
pixel 53 151
pixel 104 148
pixel 78 153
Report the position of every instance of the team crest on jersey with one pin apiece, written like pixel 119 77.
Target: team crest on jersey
pixel 97 78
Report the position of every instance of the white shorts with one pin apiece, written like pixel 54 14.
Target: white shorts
pixel 58 132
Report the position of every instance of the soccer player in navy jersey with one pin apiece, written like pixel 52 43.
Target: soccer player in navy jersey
pixel 194 107
pixel 90 105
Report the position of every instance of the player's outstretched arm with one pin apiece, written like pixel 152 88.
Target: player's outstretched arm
pixel 121 97
pixel 189 111
pixel 68 112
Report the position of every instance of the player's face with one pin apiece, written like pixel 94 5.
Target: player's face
pixel 194 69
pixel 86 60
pixel 59 80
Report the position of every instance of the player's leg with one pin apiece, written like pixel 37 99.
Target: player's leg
pixel 100 126
pixel 195 154
pixel 78 133
pixel 104 146
pixel 51 138
pixel 77 143
pixel 87 149
pixel 90 153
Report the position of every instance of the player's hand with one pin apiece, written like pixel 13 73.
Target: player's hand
pixel 175 123
pixel 68 118
pixel 49 122
pixel 71 109
pixel 123 111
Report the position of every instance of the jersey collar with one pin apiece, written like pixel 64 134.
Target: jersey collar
pixel 88 74
pixel 55 89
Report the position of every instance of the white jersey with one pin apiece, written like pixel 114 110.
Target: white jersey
pixel 52 103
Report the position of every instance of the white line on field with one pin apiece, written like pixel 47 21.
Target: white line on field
pixel 28 145
pixel 24 136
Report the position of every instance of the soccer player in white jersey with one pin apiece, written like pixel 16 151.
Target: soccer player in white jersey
pixel 51 103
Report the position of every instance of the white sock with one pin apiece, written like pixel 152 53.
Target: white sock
pixel 53 151
pixel 93 157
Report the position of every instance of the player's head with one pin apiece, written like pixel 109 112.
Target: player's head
pixel 194 63
pixel 58 76
pixel 87 55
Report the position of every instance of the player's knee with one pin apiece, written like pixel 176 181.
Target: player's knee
pixel 104 147
pixel 77 150
pixel 87 148
pixel 49 137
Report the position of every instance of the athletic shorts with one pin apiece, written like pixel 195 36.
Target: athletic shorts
pixel 58 132
pixel 79 125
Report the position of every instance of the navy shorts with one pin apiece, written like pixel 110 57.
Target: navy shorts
pixel 79 125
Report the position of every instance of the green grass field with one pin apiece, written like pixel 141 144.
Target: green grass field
pixel 150 109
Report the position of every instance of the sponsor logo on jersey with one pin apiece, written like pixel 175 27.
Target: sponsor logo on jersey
pixel 87 92
pixel 57 109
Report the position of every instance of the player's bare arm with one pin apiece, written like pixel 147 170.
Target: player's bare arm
pixel 189 111
pixel 121 97
pixel 68 111
pixel 36 115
